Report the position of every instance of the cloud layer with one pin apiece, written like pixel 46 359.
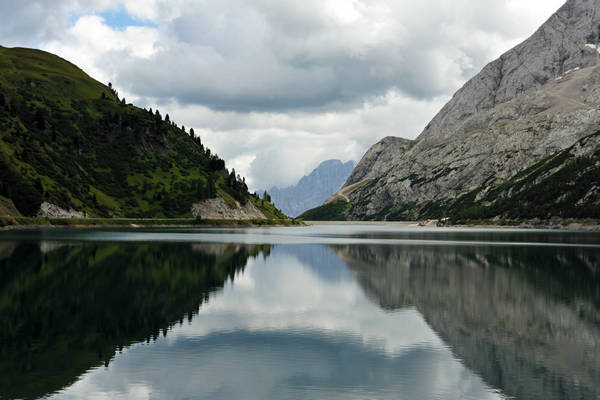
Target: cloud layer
pixel 278 86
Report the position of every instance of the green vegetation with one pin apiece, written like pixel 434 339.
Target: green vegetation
pixel 562 185
pixel 71 141
pixel 335 211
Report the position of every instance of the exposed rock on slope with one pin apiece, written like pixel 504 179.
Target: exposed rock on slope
pixel 378 159
pixel 560 45
pixel 49 210
pixel 535 101
pixel 312 189
pixel 218 209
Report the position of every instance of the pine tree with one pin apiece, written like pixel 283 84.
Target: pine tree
pixel 266 197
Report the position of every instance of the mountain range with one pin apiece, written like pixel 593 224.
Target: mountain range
pixel 520 140
pixel 313 189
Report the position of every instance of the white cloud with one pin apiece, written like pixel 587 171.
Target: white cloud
pixel 275 86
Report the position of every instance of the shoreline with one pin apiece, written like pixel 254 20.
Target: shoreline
pixel 565 225
pixel 23 223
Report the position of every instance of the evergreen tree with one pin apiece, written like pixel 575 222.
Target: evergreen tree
pixel 266 197
pixel 212 191
pixel 192 133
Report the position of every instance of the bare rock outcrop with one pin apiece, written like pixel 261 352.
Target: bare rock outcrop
pixel 218 209
pixel 568 40
pixel 49 210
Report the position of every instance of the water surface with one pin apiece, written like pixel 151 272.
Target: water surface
pixel 365 312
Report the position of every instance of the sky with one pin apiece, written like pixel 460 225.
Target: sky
pixel 275 87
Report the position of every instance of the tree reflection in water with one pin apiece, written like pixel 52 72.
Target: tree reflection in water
pixel 67 308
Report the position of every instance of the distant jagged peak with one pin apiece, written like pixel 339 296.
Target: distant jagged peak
pixel 333 163
pixel 312 189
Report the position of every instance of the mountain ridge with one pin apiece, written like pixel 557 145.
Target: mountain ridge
pixel 70 142
pixel 500 123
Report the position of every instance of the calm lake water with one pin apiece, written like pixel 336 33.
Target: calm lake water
pixel 327 312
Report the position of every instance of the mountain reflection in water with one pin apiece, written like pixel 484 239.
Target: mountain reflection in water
pixel 177 320
pixel 527 319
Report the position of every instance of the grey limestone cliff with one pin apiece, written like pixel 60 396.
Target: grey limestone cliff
pixel 536 100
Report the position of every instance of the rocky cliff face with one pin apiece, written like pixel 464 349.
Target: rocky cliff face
pixel 218 209
pixel 312 189
pixel 535 101
pixel 566 41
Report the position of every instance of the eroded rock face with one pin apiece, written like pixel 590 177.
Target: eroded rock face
pixel 377 160
pixel 49 210
pixel 218 209
pixel 539 98
pixel 560 45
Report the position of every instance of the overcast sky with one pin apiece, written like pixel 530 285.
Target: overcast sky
pixel 277 86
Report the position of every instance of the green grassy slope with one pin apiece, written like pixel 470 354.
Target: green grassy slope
pixel 69 140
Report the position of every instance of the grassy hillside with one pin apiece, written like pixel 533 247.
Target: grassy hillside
pixel 70 140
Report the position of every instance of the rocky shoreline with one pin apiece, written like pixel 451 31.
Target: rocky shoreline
pixel 570 225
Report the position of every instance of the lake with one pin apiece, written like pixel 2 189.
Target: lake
pixel 321 312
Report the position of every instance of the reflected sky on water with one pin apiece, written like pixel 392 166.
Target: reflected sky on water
pixel 324 312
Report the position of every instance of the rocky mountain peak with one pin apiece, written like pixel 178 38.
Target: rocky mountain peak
pixel 520 139
pixel 568 40
pixel 312 189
